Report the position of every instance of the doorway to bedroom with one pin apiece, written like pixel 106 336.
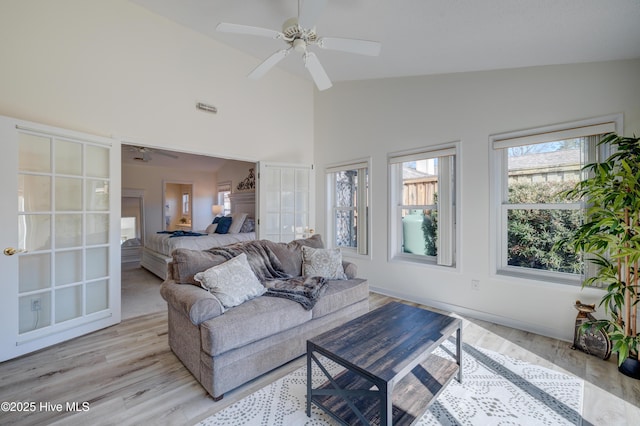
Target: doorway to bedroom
pixel 145 171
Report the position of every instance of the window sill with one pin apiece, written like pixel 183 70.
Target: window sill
pixel 541 276
pixel 429 262
pixel 353 254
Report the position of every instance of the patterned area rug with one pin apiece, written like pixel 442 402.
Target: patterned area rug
pixel 495 390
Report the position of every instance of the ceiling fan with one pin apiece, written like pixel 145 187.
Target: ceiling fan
pixel 143 153
pixel 299 33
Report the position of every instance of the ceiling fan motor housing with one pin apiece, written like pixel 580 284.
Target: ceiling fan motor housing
pixel 297 35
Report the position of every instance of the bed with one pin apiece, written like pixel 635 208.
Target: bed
pixel 156 253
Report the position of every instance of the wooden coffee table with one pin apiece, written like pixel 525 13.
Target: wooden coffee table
pixel 391 373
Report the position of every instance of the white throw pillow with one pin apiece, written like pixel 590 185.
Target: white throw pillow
pixel 237 220
pixel 211 229
pixel 232 282
pixel 325 263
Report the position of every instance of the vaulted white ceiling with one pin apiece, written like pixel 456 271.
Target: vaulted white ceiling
pixel 421 37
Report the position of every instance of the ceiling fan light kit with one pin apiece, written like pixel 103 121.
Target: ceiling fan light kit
pixel 300 33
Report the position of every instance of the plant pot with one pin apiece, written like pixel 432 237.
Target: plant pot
pixel 630 367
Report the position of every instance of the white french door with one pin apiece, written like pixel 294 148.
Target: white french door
pixel 60 241
pixel 285 200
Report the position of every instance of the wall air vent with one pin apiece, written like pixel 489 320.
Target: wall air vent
pixel 207 108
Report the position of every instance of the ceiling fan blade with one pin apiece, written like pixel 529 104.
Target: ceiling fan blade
pixel 269 63
pixel 362 47
pixel 318 73
pixel 309 12
pixel 166 154
pixel 224 27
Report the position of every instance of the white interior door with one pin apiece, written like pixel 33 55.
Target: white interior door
pixel 285 200
pixel 60 241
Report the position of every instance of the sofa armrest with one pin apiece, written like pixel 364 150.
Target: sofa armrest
pixel 195 303
pixel 350 269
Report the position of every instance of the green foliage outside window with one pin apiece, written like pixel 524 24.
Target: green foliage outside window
pixel 532 234
pixel 430 231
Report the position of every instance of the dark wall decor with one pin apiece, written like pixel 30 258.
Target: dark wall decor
pixel 249 183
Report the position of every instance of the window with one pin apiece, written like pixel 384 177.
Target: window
pixel 185 203
pixel 348 198
pixel 531 170
pixel 423 200
pixel 224 191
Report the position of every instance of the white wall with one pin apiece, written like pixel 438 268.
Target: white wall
pixel 114 68
pixel 150 179
pixel 235 173
pixel 372 118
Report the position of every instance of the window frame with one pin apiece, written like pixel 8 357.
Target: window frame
pixel 448 206
pixel 363 198
pixel 499 205
pixel 223 193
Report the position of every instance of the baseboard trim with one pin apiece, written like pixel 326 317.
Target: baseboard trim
pixel 472 313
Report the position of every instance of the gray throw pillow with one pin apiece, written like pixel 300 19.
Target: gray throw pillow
pixel 325 263
pixel 232 282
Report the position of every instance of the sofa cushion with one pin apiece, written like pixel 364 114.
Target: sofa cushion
pixel 340 293
pixel 325 263
pixel 290 254
pixel 253 320
pixel 232 282
pixel 187 263
pixel 350 269
pixel 193 302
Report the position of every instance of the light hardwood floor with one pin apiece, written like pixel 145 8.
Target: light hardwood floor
pixel 128 375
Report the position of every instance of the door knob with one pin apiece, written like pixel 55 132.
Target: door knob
pixel 10 251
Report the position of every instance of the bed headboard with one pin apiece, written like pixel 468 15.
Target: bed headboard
pixel 243 202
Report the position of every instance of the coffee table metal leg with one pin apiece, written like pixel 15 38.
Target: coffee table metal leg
pixel 308 380
pixel 387 415
pixel 459 352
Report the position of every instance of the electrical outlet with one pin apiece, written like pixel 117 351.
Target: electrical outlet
pixel 475 285
pixel 35 305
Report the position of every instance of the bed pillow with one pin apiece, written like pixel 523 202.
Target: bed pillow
pixel 325 263
pixel 232 282
pixel 249 225
pixel 223 225
pixel 237 220
pixel 211 228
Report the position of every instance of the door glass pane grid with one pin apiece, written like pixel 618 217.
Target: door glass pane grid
pixel 34 312
pixel 68 158
pixel 286 203
pixel 53 223
pixel 34 153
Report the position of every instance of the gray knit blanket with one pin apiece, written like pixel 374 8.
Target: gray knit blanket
pixel 269 271
pixel 304 290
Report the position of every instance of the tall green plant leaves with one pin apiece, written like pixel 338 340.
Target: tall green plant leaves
pixel 610 235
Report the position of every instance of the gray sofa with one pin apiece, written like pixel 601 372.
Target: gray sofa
pixel 224 349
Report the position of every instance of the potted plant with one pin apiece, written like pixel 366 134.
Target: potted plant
pixel 610 238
